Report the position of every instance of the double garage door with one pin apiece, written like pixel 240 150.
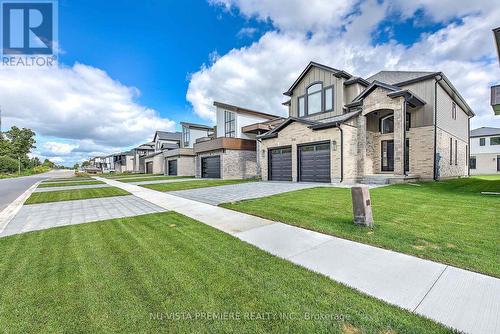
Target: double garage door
pixel 313 163
pixel 210 167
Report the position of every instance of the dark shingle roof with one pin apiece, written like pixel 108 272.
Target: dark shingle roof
pixel 163 135
pixel 394 77
pixel 485 131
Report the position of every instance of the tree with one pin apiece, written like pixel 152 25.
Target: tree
pixel 21 141
pixel 48 163
pixel 76 166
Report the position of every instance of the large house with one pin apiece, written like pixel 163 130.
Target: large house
pixel 162 141
pixel 181 161
pixel 139 156
pixel 394 126
pixel 485 151
pixel 232 153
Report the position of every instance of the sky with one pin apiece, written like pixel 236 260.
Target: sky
pixel 128 68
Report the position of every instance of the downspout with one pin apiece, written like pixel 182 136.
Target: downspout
pixel 341 152
pixel 468 146
pixel 435 125
pixel 404 139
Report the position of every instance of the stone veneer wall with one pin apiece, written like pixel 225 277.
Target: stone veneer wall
pixel 445 169
pixel 235 164
pixel 185 165
pixel 421 151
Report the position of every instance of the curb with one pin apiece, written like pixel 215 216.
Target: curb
pixel 13 208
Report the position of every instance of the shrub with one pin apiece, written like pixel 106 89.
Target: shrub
pixel 8 165
pixel 40 169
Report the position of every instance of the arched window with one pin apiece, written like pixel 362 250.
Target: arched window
pixel 387 124
pixel 314 98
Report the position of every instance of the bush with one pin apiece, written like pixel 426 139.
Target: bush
pixel 40 169
pixel 8 165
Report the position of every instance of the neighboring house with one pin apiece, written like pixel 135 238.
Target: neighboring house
pixel 97 165
pixel 232 153
pixel 123 162
pixel 392 127
pixel 485 151
pixel 181 161
pixel 140 153
pixel 495 90
pixel 162 141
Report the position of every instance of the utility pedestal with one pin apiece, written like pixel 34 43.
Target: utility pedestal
pixel 362 206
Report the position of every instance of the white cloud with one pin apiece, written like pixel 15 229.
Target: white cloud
pixel 80 104
pixel 257 75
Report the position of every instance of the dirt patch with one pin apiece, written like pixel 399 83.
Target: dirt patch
pixel 347 328
pixel 423 245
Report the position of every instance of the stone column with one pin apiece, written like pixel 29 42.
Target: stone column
pixel 361 146
pixel 399 127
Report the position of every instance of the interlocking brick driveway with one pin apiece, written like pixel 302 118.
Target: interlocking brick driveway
pixel 42 216
pixel 238 192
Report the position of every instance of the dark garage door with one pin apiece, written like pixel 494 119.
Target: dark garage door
pixel 172 167
pixel 314 163
pixel 149 167
pixel 210 167
pixel 280 164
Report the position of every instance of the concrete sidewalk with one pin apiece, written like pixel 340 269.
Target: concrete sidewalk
pixel 457 298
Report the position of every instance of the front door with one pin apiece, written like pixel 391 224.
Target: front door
pixel 387 156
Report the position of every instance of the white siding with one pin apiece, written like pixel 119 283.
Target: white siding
pixel 475 148
pixel 241 120
pixel 457 127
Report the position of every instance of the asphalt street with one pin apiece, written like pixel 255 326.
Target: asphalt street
pixel 10 189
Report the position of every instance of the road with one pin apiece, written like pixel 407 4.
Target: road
pixel 10 189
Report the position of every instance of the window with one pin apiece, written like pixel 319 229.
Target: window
pixel 229 124
pixel 472 162
pixel 314 99
pixel 407 155
pixel 185 136
pixel 453 110
pixel 451 151
pixel 408 121
pixel 456 152
pixel 387 124
pixel 302 106
pixel 482 141
pixel 328 94
pixel 494 141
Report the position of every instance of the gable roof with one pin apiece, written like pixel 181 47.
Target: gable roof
pixel 375 84
pixel 312 64
pixel 357 80
pixel 244 110
pixel 164 135
pixel 394 77
pixel 485 131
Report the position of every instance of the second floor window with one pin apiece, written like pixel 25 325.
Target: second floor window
pixel 482 141
pixel 229 124
pixel 314 99
pixel 387 124
pixel 185 136
pixel 453 110
pixel 494 141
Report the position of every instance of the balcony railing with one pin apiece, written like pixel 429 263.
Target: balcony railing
pixel 225 143
pixel 495 99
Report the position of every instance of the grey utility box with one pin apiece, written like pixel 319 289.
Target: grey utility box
pixel 362 206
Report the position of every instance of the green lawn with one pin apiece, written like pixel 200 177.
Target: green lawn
pixel 152 178
pixel 124 275
pixel 65 184
pixel 449 221
pixel 127 175
pixel 199 183
pixel 66 179
pixel 74 194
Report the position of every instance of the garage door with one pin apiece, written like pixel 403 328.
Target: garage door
pixel 210 167
pixel 149 167
pixel 280 164
pixel 314 163
pixel 172 167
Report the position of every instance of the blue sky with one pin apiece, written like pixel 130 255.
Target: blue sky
pixel 151 45
pixel 129 68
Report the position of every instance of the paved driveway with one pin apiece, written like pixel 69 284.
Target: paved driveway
pixel 238 192
pixel 42 216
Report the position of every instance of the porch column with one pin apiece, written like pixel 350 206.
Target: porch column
pixel 361 146
pixel 399 127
